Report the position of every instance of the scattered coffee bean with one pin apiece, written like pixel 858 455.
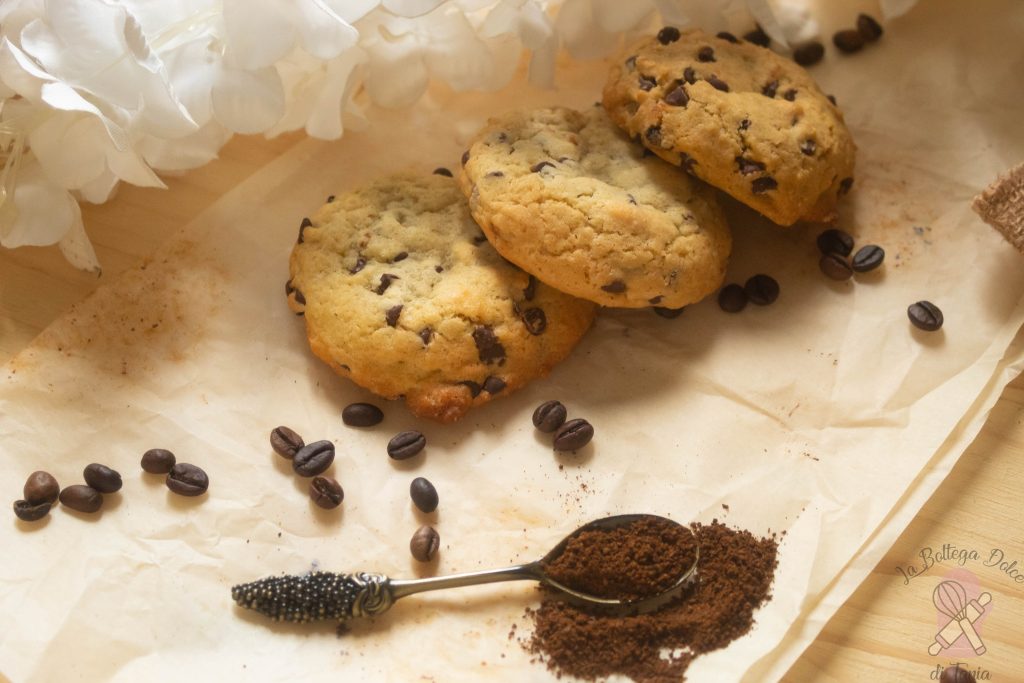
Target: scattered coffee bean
pixel 668 312
pixel 549 416
pixel 761 289
pixel 869 29
pixel 868 257
pixel 573 435
pixel 725 35
pixel 925 316
pixel 835 267
pixel 81 497
pixel 669 34
pixel 441 170
pixel 954 674
pixel 732 298
pixel 362 414
pixel 809 54
pixel 706 54
pixel 285 442
pixel 405 445
pixel 424 543
pixel 833 241
pixel 41 487
pixel 758 37
pixel 762 185
pixel 158 461
pixel 848 41
pixel 102 478
pixel 423 494
pixel 31 512
pixel 326 492
pixel 187 480
pixel 313 458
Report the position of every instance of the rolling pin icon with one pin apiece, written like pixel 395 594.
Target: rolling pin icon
pixel 956 625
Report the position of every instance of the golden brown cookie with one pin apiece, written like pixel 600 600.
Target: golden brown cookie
pixel 738 116
pixel 402 294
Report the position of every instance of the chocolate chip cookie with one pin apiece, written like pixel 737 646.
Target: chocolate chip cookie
pixel 568 197
pixel 738 116
pixel 402 293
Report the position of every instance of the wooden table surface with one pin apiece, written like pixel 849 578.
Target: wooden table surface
pixel 882 632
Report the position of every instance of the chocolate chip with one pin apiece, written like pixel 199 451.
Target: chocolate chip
pixel 689 75
pixel 536 168
pixel 632 199
pixel 655 300
pixel 573 435
pixel 493 385
pixel 761 289
pixel 669 34
pixel 359 265
pixel 789 95
pixel 438 269
pixel 758 37
pixel 867 258
pixel 531 288
pixel 288 289
pixel 686 162
pixel 770 88
pixel 706 54
pixel 330 198
pixel 405 445
pixel 385 281
pixel 299 296
pixel 302 229
pixel 549 416
pixel 391 317
pixel 732 298
pixel 614 287
pixel 631 62
pixel 749 166
pixel 869 29
pixel 535 320
pixel 474 387
pixel 423 494
pixel 678 97
pixel 845 185
pixel 41 487
pixel 835 267
pixel 744 124
pixel 488 345
pixel 361 415
pixel 808 147
pixel 762 185
pixel 653 135
pixel 326 492
pixel 848 41
pixel 809 54
pixel 427 335
pixel 835 241
pixel 313 458
pixel 494 174
pixel 717 83
pixel 441 170
pixel 81 498
pixel 725 35
pixel 424 544
pixel 158 461
pixel 31 512
pixel 646 83
pixel 102 478
pixel 400 256
pixel 668 312
pixel 465 157
pixel 925 316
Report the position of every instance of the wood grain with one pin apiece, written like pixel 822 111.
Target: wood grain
pixel 881 633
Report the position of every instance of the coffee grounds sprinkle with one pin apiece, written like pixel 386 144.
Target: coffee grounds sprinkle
pixel 628 562
pixel 734 578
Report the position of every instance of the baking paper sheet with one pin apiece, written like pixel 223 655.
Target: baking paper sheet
pixel 826 415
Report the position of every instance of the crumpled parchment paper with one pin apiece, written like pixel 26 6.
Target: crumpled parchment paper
pixel 825 415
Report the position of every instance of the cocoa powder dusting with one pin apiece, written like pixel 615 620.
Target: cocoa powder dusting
pixel 642 558
pixel 734 578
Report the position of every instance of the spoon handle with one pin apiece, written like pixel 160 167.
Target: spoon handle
pixel 326 595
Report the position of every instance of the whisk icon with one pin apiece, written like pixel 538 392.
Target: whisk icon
pixel 950 598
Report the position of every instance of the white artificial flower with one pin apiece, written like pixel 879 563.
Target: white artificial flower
pixel 527 20
pixel 320 94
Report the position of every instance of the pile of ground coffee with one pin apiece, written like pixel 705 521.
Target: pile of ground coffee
pixel 628 562
pixel 734 579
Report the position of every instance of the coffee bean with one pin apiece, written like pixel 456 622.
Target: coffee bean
pixel 573 435
pixel 732 298
pixel 848 41
pixel 41 487
pixel 102 478
pixel 441 170
pixel 362 415
pixel 808 147
pixel 423 494
pixel 678 97
pixel 392 314
pixel 925 316
pixel 749 166
pixel 187 480
pixel 549 416
pixel 424 543
pixel 868 257
pixel 493 385
pixel 488 346
pixel 405 445
pixel 313 458
pixel 809 54
pixel 31 512
pixel 706 54
pixel 869 29
pixel 689 75
pixel 725 35
pixel 954 674
pixel 761 289
pixel 615 287
pixel 758 37
pixel 326 492
pixel 668 312
pixel 834 241
pixel 669 34
pixel 158 461
pixel 762 185
pixel 835 267
pixel 717 83
pixel 285 442
pixel 81 497
pixel 647 83
pixel 770 89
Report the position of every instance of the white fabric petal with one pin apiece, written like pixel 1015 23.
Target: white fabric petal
pixel 454 53
pixel 502 18
pixel 615 16
pixel 672 13
pixel 248 101
pixel 542 64
pixel 396 75
pixel 350 10
pixel 100 188
pixel 580 33
pixel 76 247
pixel 69 149
pixel 411 8
pixel 535 28
pixel 325 119
pixel 764 15
pixel 15 15
pixel 192 68
pixel 257 33
pixel 42 213
pixel 20 73
pixel 322 32
pixel 182 154
pixel 63 97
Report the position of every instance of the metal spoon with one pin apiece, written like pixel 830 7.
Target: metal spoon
pixel 327 595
